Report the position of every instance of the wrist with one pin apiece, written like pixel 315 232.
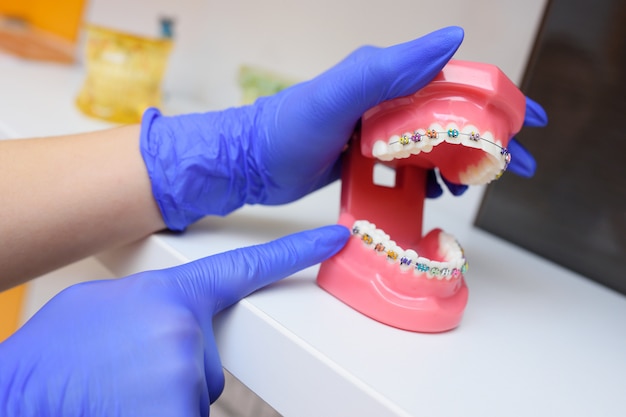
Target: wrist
pixel 200 164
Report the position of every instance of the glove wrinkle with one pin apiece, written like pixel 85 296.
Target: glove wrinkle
pixel 210 172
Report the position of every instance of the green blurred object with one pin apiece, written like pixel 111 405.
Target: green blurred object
pixel 256 82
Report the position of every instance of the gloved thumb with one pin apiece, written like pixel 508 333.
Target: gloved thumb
pixel 211 284
pixel 522 161
pixel 371 75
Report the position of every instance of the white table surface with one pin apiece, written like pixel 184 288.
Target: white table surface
pixel 535 340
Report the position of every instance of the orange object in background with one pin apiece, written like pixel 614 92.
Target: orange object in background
pixel 59 17
pixel 11 302
pixel 44 30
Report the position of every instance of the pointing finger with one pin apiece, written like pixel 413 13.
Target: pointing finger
pixel 222 280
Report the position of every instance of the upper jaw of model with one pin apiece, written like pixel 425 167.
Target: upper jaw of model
pixel 463 119
pixel 484 168
pixel 461 124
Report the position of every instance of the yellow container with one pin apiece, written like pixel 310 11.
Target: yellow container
pixel 124 74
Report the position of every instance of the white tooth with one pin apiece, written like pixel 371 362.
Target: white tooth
pixel 446 244
pixel 382 249
pixel 394 145
pixel 380 238
pixel 470 175
pixel 362 223
pixel 439 266
pixel 426 262
pixel 392 250
pixel 458 264
pixel 359 226
pixel 488 136
pixel 427 147
pixel 440 136
pixel 449 276
pixel 494 154
pixel 482 173
pixel 491 168
pixel 455 253
pixel 450 139
pixel 467 141
pixel 381 151
pixel 406 148
pixel 418 146
pixel 403 154
pixel 490 175
pixel 410 256
pixel 491 145
pixel 499 143
pixel 380 243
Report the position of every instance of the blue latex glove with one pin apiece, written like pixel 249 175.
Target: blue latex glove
pixel 284 146
pixel 143 345
pixel 522 162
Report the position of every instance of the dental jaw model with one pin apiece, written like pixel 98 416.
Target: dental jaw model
pixel 460 123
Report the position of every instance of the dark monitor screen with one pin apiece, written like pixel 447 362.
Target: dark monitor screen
pixel 573 211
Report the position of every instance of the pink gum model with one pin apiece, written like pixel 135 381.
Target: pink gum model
pixel 460 123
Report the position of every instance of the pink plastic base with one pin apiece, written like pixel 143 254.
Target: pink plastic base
pixel 463 94
pixel 371 285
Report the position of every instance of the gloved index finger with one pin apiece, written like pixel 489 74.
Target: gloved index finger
pixel 222 280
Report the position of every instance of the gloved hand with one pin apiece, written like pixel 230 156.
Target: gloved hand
pixel 522 162
pixel 143 345
pixel 284 146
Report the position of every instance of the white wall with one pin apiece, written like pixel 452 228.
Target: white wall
pixel 303 38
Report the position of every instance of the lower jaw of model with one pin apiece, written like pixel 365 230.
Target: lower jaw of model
pixel 388 270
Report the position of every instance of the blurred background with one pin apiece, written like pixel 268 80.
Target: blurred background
pixel 573 211
pixel 299 39
pixel 567 54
